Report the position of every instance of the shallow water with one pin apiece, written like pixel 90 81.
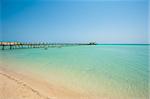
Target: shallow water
pixel 108 71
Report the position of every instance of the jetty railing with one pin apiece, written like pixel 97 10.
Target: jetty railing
pixel 19 45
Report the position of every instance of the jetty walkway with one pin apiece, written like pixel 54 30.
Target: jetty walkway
pixel 20 45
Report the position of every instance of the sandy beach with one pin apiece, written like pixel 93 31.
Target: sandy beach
pixel 19 86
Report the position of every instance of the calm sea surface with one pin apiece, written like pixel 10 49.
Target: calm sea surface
pixel 102 70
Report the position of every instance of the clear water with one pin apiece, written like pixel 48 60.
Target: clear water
pixel 109 71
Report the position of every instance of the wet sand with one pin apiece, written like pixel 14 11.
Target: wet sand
pixel 19 86
pixel 25 85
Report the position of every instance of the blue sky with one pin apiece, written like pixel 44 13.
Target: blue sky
pixel 102 21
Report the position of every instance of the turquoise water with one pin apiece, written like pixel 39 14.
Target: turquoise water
pixel 107 71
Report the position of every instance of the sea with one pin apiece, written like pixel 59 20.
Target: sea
pixel 110 71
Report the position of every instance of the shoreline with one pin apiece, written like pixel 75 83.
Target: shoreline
pixel 9 81
pixel 14 85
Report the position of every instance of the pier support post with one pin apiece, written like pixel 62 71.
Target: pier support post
pixel 10 47
pixel 3 47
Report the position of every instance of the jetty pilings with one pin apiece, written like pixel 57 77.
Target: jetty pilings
pixel 20 45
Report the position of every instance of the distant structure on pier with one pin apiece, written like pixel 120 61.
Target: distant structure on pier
pixel 10 43
pixel 92 43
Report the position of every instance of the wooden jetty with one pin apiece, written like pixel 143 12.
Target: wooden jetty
pixel 20 45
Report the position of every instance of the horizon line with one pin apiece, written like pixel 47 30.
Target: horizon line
pixel 84 43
